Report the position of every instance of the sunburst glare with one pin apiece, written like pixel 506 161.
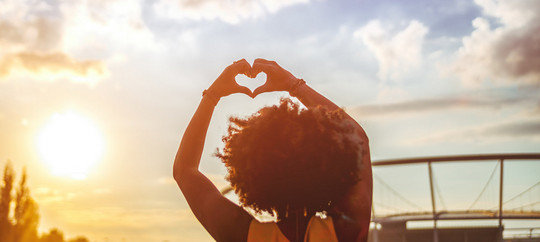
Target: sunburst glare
pixel 70 144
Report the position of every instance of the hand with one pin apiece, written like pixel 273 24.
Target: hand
pixel 226 84
pixel 277 78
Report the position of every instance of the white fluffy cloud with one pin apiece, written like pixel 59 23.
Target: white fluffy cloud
pixel 105 26
pixel 50 66
pixel 31 39
pixel 231 11
pixel 397 53
pixel 508 52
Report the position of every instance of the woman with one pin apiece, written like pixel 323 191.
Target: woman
pixel 343 187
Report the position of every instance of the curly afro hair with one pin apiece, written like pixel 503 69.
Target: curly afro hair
pixel 286 158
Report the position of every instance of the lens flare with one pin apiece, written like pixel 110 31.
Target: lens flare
pixel 70 144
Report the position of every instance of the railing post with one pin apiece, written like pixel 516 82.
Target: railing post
pixel 375 233
pixel 501 197
pixel 375 229
pixel 433 208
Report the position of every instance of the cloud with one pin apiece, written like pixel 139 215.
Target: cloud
pixel 509 52
pixel 47 195
pixel 52 65
pixel 231 12
pixel 166 181
pixel 502 131
pixel 105 27
pixel 37 33
pixel 516 129
pixel 118 223
pixel 396 53
pixel 31 45
pixel 534 112
pixel 434 104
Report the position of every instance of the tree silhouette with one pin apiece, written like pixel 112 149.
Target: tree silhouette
pixel 54 235
pixel 19 216
pixel 5 202
pixel 79 239
pixel 26 214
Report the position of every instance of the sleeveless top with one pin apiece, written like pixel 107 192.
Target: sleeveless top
pixel 318 229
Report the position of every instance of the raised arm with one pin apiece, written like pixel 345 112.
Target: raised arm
pixel 224 220
pixel 357 205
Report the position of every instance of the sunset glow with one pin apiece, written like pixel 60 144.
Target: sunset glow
pixel 70 145
pixel 96 95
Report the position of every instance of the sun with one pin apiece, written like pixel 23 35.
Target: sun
pixel 70 144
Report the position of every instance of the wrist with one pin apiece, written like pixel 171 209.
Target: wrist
pixel 296 85
pixel 211 96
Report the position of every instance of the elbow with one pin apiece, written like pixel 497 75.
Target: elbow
pixel 185 178
pixel 177 172
pixel 182 174
pixel 179 176
pixel 176 175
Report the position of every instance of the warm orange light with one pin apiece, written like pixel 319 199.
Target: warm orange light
pixel 70 145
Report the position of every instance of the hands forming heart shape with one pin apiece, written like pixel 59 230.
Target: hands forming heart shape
pixel 277 78
pixel 249 82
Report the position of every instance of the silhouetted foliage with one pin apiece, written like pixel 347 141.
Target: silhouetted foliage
pixel 79 239
pixel 5 202
pixel 19 216
pixel 54 235
pixel 26 213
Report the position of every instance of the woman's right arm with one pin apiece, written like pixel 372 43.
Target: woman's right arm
pixel 224 220
pixel 357 204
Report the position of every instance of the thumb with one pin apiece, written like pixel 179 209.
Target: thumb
pixel 262 89
pixel 245 90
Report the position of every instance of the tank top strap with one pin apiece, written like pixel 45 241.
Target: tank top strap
pixel 265 232
pixel 319 230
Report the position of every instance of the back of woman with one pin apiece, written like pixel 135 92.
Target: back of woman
pixel 318 229
pixel 284 160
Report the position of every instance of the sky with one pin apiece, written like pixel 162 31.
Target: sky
pixel 423 77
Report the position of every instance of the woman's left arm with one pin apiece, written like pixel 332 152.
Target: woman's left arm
pixel 224 220
pixel 356 204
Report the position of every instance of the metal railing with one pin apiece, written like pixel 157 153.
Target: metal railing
pixel 458 158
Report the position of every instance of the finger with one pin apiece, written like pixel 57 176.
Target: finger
pixel 235 68
pixel 242 67
pixel 254 72
pixel 271 63
pixel 262 89
pixel 245 90
pixel 264 61
pixel 259 67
